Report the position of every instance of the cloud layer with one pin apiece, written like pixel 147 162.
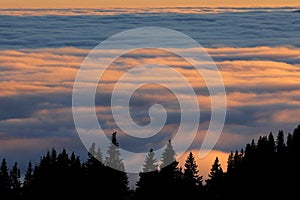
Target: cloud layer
pixel 138 11
pixel 262 85
pixel 234 29
pixel 256 51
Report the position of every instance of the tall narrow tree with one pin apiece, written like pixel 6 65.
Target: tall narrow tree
pixel 280 144
pixel 168 156
pixel 15 182
pixel 117 178
pixel 169 175
pixel 146 185
pixel 271 143
pixel 99 155
pixel 4 178
pixel 28 179
pixel 230 163
pixel 113 158
pixel 191 171
pixel 192 181
pixel 150 163
pixel 215 181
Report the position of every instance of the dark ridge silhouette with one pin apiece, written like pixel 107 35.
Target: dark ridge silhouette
pixel 265 169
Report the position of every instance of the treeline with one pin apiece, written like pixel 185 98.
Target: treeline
pixel 264 169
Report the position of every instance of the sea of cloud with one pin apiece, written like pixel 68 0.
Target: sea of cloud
pixel 256 50
pixel 256 27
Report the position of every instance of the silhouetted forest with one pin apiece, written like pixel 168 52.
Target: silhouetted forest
pixel 264 169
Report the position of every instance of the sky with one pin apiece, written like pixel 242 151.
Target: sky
pixel 141 3
pixel 256 50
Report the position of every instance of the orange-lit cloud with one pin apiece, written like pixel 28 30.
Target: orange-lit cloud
pixel 262 85
pixel 14 11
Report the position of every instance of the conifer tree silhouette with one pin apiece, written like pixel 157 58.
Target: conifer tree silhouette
pixel 280 144
pixel 191 171
pixel 15 183
pixel 28 181
pixel 117 179
pixel 4 179
pixel 146 185
pixel 265 170
pixel 214 183
pixel 192 181
pixel 169 175
pixel 113 158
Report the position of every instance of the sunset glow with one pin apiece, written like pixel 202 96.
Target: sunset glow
pixel 250 51
pixel 139 3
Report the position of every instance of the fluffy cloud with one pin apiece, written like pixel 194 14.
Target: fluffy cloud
pixel 256 50
pixel 262 93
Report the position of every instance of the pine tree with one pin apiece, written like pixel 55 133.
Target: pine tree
pixel 63 159
pixel 148 178
pixel 53 155
pixel 192 181
pixel 95 174
pixel 116 176
pixel 4 179
pixel 75 161
pixel 168 156
pixel 296 140
pixel 215 181
pixel 262 146
pixel 237 160
pixel 191 171
pixel 28 175
pixel 28 184
pixel 150 162
pixel 230 163
pixel 99 155
pixel 169 175
pixel 169 165
pixel 113 158
pixel 15 183
pixel 280 145
pixel 216 170
pixel 289 142
pixel 92 149
pixel 271 144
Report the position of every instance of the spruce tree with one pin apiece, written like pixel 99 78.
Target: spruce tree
pixel 230 163
pixel 214 183
pixel 168 156
pixel 191 171
pixel 28 184
pixel 289 142
pixel 4 179
pixel 169 175
pixel 150 162
pixel 15 182
pixel 192 181
pixel 296 141
pixel 116 177
pixel 271 144
pixel 146 185
pixel 113 158
pixel 99 155
pixel 280 144
pixel 28 175
pixel 92 149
